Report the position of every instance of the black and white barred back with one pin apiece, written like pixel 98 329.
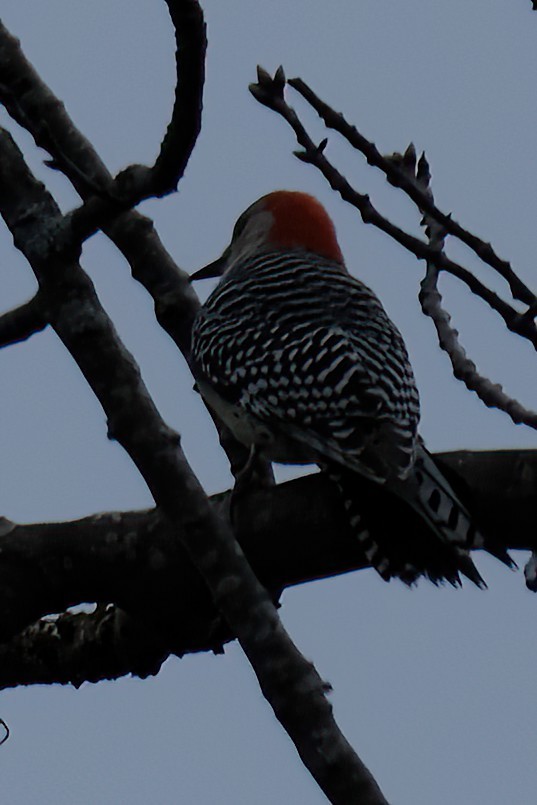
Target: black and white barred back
pixel 300 357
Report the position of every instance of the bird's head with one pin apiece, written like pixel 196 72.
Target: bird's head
pixel 286 220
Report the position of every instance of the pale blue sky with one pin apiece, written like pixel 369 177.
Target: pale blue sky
pixel 435 688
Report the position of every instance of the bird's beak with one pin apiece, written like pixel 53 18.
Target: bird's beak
pixel 214 269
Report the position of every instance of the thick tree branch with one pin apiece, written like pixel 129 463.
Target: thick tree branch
pixel 293 687
pixel 80 647
pixel 291 534
pixel 134 559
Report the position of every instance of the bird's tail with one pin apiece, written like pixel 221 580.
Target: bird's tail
pixel 436 543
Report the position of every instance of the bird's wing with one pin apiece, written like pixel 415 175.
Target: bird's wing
pixel 316 390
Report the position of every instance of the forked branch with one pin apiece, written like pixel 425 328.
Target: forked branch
pixel 291 684
pixel 403 172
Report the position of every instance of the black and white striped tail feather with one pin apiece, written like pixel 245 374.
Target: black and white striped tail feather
pixel 438 546
pixel 443 505
pixel 375 522
pixel 431 496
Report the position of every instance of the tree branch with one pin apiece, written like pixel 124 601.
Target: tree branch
pixel 417 174
pixel 293 687
pixel 139 182
pixel 269 92
pixel 491 394
pixel 292 534
pixel 398 177
pixel 22 322
pixel 80 647
pixel 185 125
pixel 107 198
pixel 35 107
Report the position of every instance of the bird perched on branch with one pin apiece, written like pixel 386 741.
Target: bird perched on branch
pixel 302 363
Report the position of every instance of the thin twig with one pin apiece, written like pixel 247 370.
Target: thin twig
pixel 397 176
pixel 417 174
pixel 269 92
pixel 182 133
pixel 139 182
pixel 6 730
pixel 491 394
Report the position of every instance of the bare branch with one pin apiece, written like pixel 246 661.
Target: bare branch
pixel 80 647
pixel 269 92
pixel 291 534
pixel 32 104
pixel 417 174
pixel 135 560
pixel 22 322
pixel 138 182
pixel 293 687
pixel 34 107
pixel 491 394
pixel 185 125
pixel 107 198
pixel 397 176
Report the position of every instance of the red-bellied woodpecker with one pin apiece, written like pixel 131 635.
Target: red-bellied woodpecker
pixel 301 361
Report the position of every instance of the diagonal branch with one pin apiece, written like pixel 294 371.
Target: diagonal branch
pixel 107 198
pixel 398 177
pixel 35 107
pixel 293 687
pixel 400 170
pixel 31 102
pixel 269 92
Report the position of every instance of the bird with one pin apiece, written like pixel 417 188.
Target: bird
pixel 302 363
